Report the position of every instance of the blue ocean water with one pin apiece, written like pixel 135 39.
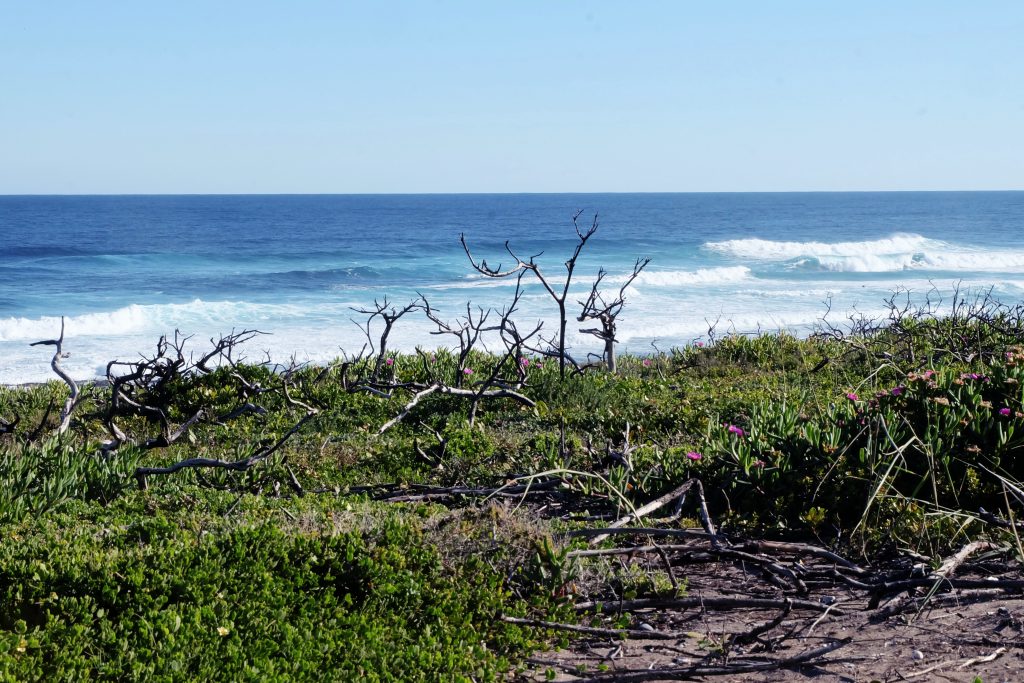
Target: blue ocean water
pixel 125 269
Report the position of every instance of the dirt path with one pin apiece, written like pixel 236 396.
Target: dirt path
pixel 909 625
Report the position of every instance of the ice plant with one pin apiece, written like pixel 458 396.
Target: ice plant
pixel 1005 412
pixel 467 371
pixel 852 396
pixel 694 455
pixel 896 391
pixel 738 431
pixel 525 362
pixel 221 631
pixel 647 362
pixel 389 362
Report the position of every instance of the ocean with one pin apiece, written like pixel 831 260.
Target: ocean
pixel 124 270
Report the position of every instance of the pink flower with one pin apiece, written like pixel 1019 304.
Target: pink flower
pixel 733 429
pixel 928 374
pixel 647 362
pixel 467 371
pixel 699 345
pixel 852 396
pixel 757 463
pixel 1005 412
pixel 389 361
pixel 525 362
pixel 694 455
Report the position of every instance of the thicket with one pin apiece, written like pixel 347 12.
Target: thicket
pixel 213 518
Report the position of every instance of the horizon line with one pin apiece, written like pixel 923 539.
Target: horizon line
pixel 482 193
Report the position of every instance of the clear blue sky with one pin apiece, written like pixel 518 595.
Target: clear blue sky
pixel 435 96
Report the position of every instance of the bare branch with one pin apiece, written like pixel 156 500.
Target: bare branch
pixel 72 400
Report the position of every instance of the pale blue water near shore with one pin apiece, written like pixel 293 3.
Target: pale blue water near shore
pixel 125 269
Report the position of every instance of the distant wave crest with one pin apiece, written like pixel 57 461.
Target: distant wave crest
pixel 895 253
pixel 675 278
pixel 154 318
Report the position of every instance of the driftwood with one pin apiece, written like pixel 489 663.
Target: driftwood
pixel 72 400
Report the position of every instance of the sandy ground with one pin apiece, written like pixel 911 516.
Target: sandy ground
pixel 952 635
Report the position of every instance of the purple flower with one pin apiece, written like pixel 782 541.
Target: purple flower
pixel 1005 412
pixel 389 361
pixel 694 455
pixel 852 396
pixel 733 429
pixel 896 391
pixel 467 371
pixel 647 362
pixel 525 362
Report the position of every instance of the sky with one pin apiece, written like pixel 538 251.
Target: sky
pixel 569 96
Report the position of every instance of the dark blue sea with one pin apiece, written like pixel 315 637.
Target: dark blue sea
pixel 124 270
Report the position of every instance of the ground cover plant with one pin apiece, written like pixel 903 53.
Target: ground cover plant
pixel 447 514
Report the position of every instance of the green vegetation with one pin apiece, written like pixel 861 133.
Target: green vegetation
pixel 304 564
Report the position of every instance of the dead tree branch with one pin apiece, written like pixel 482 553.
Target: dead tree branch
pixel 607 312
pixel 72 400
pixel 262 453
pixel 389 314
pixel 559 295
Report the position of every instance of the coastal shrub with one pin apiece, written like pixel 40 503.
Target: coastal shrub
pixel 152 600
pixel 39 477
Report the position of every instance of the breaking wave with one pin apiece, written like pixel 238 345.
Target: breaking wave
pixel 891 254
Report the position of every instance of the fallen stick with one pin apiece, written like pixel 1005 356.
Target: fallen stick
pixel 408 408
pixel 751 635
pixel 590 630
pixel 802 548
pixel 705 602
pixel 655 504
pixel 951 563
pixel 636 675
pixel 964 663
pixel 903 584
pixel 638 531
pixel 704 555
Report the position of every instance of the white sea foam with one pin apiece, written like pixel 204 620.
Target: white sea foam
pixel 159 318
pixel 122 321
pixel 772 250
pixel 891 254
pixel 676 278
